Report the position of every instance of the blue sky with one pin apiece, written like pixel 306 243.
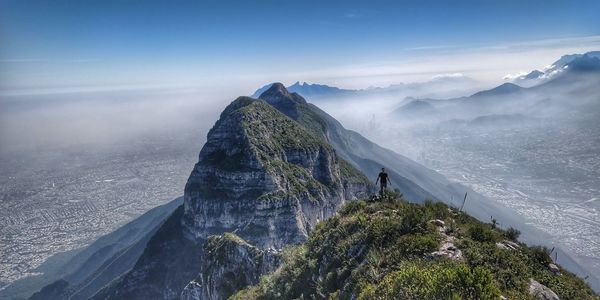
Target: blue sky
pixel 46 44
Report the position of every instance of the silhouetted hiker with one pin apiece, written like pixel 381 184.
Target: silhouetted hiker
pixel 383 179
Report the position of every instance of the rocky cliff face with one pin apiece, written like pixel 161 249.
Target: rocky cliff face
pixel 262 176
pixel 262 181
pixel 229 264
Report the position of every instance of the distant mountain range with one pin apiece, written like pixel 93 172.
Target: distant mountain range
pixel 581 62
pixel 310 90
pixel 577 74
pixel 443 85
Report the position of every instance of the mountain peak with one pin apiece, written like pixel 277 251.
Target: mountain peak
pixel 505 88
pixel 534 74
pixel 279 97
pixel 278 94
pixel 278 160
pixel 276 89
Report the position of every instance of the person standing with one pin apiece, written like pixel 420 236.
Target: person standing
pixel 383 180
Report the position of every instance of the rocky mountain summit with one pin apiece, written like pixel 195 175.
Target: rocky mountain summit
pixel 262 181
pixel 263 176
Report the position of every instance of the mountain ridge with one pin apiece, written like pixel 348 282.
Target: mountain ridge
pixel 264 181
pixel 390 249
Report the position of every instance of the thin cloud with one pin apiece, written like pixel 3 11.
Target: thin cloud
pixel 21 60
pixel 489 64
pixel 432 47
pixel 36 60
pixel 514 76
pixel 448 75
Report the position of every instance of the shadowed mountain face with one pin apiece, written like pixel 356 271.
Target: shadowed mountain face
pixel 107 258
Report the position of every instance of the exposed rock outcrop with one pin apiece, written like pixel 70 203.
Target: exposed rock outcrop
pixel 540 291
pixel 229 264
pixel 263 176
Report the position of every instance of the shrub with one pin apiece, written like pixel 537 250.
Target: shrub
pixel 413 219
pixel 540 255
pixel 423 280
pixel 512 234
pixel 391 196
pixel 417 244
pixel 383 230
pixel 482 233
pixel 436 210
pixel 508 266
pixel 353 207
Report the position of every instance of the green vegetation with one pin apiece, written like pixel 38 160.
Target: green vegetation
pixel 310 120
pixel 381 250
pixel 434 280
pixel 350 173
pixel 271 131
pixel 273 137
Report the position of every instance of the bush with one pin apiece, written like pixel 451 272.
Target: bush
pixel 416 245
pixel 482 233
pixel 436 210
pixel 512 234
pixel 414 219
pixel 383 230
pixel 352 207
pixel 423 280
pixel 508 266
pixel 392 196
pixel 540 255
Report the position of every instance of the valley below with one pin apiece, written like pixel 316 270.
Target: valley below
pixel 547 172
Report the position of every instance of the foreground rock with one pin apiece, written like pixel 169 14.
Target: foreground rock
pixel 540 291
pixel 230 264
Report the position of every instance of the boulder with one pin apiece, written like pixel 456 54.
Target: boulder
pixel 540 291
pixel 554 269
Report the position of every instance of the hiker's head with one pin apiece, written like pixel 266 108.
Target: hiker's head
pixel 382 169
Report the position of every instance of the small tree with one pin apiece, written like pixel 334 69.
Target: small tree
pixel 512 234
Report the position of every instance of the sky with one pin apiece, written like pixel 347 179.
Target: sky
pixel 46 45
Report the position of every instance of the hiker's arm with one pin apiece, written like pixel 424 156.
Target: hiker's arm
pixel 377 181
